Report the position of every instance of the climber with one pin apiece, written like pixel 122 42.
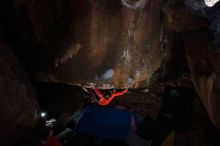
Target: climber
pixel 47 138
pixel 107 96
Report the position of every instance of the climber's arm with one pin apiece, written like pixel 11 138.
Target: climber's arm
pixel 118 93
pixel 98 92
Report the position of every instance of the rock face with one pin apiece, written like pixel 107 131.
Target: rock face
pixel 60 101
pixel 179 17
pixel 115 43
pixel 202 133
pixel 201 50
pixel 18 105
pixel 109 43
pixel 204 68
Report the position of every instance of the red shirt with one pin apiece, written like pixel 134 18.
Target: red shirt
pixel 53 141
pixel 104 101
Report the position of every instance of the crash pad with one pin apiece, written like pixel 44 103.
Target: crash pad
pixel 105 122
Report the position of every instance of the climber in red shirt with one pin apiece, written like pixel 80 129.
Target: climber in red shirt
pixel 107 96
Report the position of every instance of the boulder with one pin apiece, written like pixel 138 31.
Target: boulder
pixel 177 16
pixel 204 67
pixel 107 43
pixel 18 104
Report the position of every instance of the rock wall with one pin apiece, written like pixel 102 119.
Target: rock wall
pixel 201 43
pixel 204 68
pixel 115 43
pixel 18 105
pixel 179 17
pixel 108 43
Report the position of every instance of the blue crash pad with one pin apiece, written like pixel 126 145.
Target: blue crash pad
pixel 105 122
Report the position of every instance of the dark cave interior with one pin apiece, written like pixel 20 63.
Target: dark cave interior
pixel 59 58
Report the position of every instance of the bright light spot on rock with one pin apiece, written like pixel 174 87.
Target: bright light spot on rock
pixel 145 90
pixel 210 3
pixel 126 55
pixel 108 74
pixel 43 114
pixel 137 74
pixel 134 4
